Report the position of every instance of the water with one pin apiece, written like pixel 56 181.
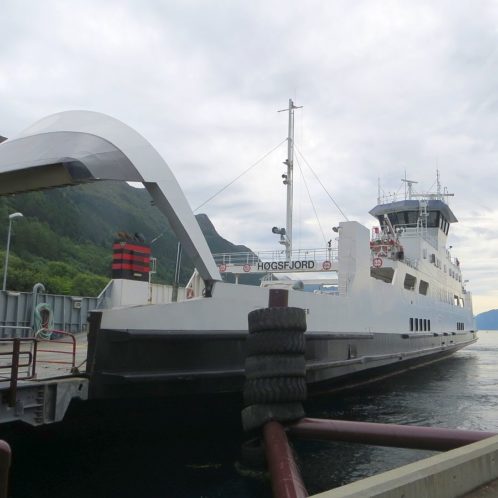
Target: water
pixel 146 456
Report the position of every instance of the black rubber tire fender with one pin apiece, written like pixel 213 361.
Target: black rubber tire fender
pixel 275 365
pixel 275 342
pixel 277 319
pixel 274 390
pixel 255 416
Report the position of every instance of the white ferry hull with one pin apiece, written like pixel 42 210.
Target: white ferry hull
pixel 136 363
pixel 198 346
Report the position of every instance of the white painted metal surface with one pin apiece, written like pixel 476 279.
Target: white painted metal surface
pixel 81 146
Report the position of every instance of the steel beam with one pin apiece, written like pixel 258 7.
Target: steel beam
pixel 401 436
pixel 285 476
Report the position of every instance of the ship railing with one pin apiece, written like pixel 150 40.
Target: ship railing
pixel 19 357
pixel 17 362
pixel 62 349
pixel 414 230
pixel 25 330
pixel 252 258
pixel 411 262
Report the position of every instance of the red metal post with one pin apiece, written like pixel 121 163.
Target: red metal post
pixel 35 350
pixel 285 476
pixel 14 371
pixel 278 298
pixel 401 436
pixel 5 459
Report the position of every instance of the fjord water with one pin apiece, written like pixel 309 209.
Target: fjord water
pixel 142 454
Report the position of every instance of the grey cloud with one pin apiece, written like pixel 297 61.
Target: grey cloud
pixel 386 87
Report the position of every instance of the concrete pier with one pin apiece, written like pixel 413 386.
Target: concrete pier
pixel 469 471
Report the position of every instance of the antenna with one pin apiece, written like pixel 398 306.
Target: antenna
pixel 288 178
pixel 408 184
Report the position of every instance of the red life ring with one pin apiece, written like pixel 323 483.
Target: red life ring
pixel 190 293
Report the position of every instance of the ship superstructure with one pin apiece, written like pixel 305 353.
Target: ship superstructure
pixel 409 251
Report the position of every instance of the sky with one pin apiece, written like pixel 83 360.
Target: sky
pixel 388 88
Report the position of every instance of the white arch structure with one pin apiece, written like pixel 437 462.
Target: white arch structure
pixel 75 147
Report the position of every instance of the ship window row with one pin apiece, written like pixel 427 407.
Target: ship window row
pixel 453 274
pixel 449 297
pixel 460 326
pixel 410 218
pixel 411 282
pixel 437 263
pixel 420 325
pixel 443 224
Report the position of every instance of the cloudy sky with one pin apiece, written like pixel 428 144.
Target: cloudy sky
pixel 387 87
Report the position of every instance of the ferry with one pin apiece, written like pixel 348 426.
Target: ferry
pixel 379 302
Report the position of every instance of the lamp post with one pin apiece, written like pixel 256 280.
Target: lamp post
pixel 11 217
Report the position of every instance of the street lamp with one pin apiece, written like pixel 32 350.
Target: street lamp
pixel 11 217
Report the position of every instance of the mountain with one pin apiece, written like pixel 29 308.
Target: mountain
pixel 65 237
pixel 487 320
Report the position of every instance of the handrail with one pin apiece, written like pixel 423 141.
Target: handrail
pixel 320 254
pixel 14 366
pixel 32 358
pixel 72 341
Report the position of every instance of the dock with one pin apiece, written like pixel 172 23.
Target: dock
pixel 470 471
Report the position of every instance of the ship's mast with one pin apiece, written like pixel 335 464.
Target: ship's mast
pixel 288 181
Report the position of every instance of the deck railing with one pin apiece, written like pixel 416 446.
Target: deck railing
pixel 18 364
pixel 252 258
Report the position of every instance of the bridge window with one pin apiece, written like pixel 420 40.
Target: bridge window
pixel 423 286
pixel 410 282
pixel 433 219
pixel 384 274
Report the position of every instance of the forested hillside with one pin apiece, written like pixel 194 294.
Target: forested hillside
pixel 65 238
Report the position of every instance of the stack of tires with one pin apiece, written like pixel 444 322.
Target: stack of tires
pixel 275 366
